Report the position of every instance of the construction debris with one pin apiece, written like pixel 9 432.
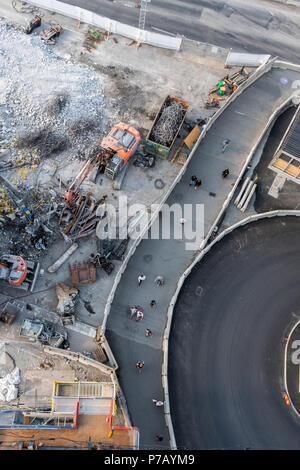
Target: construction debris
pixel 16 197
pixel 226 86
pixel 33 24
pixel 66 299
pixel 167 125
pixel 144 160
pixel 62 259
pixel 83 216
pixel 7 362
pixel 189 141
pixel 82 273
pixel 43 332
pixel 102 262
pixel 49 35
pixel 8 386
pixel 7 317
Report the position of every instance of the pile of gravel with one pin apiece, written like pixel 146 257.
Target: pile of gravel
pixel 46 102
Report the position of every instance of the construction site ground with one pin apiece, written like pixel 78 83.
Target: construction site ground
pixel 36 387
pixel 73 93
pixel 79 341
pixel 91 428
pixel 38 371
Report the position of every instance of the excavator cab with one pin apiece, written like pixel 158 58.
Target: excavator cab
pixel 13 269
pixel 123 140
pixel 116 149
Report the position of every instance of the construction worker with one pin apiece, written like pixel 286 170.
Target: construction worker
pixel 192 180
pixel 159 281
pixel 139 314
pixel 141 278
pixel 139 365
pixel 225 144
pixel 133 311
pixel 222 90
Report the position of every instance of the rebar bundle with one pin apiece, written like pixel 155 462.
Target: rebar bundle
pixel 167 125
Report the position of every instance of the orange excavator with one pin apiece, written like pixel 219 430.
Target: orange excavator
pixel 18 272
pixel 115 151
pixel 13 269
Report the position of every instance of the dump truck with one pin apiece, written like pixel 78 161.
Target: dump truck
pixel 166 126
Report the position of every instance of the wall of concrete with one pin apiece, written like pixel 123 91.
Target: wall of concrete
pixel 112 26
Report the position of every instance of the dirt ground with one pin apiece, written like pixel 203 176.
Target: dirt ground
pixel 133 82
pixel 36 389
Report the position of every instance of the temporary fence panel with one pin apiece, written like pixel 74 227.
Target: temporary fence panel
pixel 250 60
pixel 107 24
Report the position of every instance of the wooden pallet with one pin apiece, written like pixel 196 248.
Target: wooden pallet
pixel 182 158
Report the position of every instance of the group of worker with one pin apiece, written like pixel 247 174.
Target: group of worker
pixel 194 181
pixel 138 313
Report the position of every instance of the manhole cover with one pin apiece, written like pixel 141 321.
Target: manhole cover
pixel 159 183
pixel 199 291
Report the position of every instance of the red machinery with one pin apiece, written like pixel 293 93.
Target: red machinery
pixel 13 269
pixel 116 149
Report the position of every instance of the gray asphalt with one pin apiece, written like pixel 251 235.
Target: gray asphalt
pixel 242 123
pixel 227 345
pixel 256 26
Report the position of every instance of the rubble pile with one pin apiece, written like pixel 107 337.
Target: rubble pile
pixel 66 299
pixel 48 104
pixel 52 112
pixel 167 125
pixel 20 236
pixel 8 386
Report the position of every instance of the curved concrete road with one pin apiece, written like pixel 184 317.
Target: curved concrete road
pixel 242 122
pixel 227 344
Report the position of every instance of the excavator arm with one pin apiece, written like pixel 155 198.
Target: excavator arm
pixel 101 158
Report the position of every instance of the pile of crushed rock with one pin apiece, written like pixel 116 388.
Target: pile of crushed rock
pixel 47 104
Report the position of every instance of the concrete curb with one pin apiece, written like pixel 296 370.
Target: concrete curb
pixel 285 368
pixel 288 2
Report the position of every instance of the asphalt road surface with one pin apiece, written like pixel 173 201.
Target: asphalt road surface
pixel 227 342
pixel 169 257
pixel 258 26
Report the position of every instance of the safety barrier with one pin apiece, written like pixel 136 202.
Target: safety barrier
pixel 112 26
pixel 72 356
pixel 294 3
pixel 285 368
